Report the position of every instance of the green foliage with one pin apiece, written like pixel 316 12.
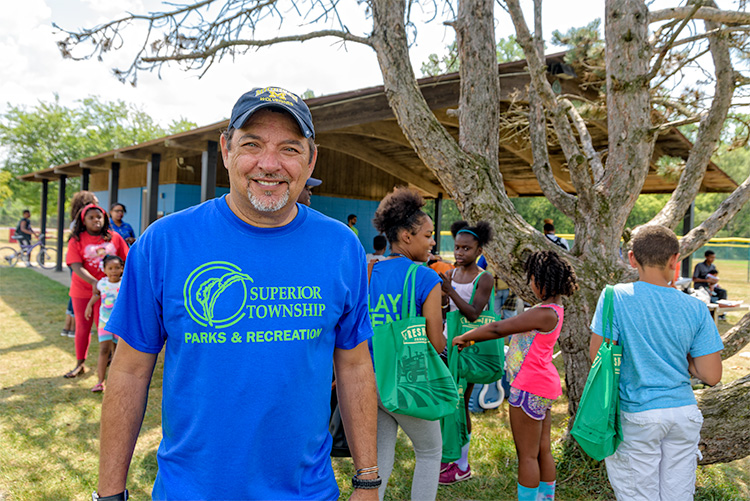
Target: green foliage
pixel 51 134
pixel 507 50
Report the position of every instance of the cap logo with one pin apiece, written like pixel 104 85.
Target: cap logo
pixel 276 95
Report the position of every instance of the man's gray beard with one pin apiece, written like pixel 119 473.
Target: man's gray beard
pixel 269 206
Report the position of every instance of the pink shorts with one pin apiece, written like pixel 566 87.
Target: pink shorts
pixel 105 335
pixel 534 406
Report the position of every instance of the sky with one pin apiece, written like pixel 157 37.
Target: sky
pixel 33 69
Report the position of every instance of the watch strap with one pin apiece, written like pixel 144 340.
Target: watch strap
pixel 123 496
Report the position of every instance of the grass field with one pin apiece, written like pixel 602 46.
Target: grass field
pixel 49 425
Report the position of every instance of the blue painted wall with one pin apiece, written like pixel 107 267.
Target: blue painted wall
pixel 339 208
pixel 176 197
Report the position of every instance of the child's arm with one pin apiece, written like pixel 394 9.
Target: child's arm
pixel 90 307
pixel 707 368
pixel 481 297
pixel 540 319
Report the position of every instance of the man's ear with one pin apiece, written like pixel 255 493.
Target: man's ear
pixel 632 260
pixel 224 150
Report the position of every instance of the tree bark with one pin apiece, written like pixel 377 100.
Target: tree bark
pixel 726 422
pixel 736 338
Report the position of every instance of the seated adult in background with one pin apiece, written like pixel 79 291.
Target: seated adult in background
pixel 702 280
pixel 116 213
pixel 379 243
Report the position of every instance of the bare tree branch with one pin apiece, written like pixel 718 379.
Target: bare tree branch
pixel 537 70
pixel 701 234
pixel 722 31
pixel 704 13
pixel 592 156
pixel 225 44
pixel 736 338
pixel 707 138
pixel 668 45
pixel 687 121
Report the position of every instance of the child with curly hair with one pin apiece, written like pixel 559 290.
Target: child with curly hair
pixel 534 381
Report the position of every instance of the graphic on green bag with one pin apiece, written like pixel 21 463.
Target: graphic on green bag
pixel 412 380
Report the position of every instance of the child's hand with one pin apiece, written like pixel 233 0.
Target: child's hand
pixel 88 312
pixel 461 342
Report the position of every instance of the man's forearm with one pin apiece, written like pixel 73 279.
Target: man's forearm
pixel 355 386
pixel 122 415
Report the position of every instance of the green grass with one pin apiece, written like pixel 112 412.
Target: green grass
pixel 49 425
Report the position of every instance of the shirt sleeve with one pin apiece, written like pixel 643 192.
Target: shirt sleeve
pixel 137 315
pixel 707 339
pixel 354 326
pixel 596 322
pixel 74 252
pixel 120 245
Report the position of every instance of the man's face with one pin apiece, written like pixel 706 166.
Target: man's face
pixel 304 196
pixel 710 258
pixel 353 221
pixel 267 163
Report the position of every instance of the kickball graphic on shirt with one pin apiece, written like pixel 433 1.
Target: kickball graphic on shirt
pixel 215 294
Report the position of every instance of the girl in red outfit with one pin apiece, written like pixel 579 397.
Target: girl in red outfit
pixel 90 241
pixel 534 381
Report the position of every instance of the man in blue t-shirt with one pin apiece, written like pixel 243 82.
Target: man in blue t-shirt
pixel 666 336
pixel 249 330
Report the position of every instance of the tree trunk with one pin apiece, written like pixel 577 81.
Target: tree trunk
pixel 736 338
pixel 726 427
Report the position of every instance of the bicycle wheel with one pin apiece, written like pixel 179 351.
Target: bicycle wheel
pixel 8 256
pixel 47 257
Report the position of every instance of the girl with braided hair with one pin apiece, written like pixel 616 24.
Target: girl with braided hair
pixel 534 382
pixel 458 286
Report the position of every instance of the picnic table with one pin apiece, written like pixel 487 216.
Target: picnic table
pixel 717 310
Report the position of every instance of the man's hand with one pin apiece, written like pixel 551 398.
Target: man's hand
pixel 364 495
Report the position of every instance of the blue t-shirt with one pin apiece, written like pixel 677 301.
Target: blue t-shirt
pixel 657 328
pixel 250 318
pixel 124 230
pixel 387 284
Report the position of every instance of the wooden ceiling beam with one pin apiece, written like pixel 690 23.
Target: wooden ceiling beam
pixel 97 166
pixel 184 146
pixel 385 130
pixel 132 157
pixel 349 145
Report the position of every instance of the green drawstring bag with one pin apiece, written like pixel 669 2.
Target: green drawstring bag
pixel 453 427
pixel 481 363
pixel 597 427
pixel 411 377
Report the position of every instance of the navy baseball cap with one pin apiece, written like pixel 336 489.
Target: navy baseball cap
pixel 312 182
pixel 272 97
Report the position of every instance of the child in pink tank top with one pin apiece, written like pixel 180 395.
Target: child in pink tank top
pixel 533 378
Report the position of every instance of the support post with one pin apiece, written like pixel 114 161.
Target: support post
pixel 152 185
pixel 85 179
pixel 114 182
pixel 60 222
pixel 438 220
pixel 687 225
pixel 43 222
pixel 209 159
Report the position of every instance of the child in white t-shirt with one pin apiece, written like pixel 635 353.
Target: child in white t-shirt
pixel 107 288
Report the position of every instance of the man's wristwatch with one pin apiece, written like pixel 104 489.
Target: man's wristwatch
pixel 362 483
pixel 123 496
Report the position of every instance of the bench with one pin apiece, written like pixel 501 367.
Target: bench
pixel 717 310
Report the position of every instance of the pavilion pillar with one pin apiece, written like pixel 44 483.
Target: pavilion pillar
pixel 438 220
pixel 43 222
pixel 687 225
pixel 60 222
pixel 209 159
pixel 152 185
pixel 114 182
pixel 85 173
